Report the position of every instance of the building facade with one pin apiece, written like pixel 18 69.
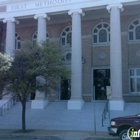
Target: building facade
pixel 99 39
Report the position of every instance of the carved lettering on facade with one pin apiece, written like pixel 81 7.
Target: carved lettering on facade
pixel 40 4
pixel 19 7
pixel 50 3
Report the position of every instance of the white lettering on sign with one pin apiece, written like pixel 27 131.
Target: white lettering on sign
pixel 34 5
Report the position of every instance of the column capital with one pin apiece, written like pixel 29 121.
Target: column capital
pixel 42 15
pixel 11 19
pixel 80 11
pixel 119 5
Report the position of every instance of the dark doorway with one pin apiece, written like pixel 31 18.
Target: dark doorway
pixel 101 81
pixel 65 89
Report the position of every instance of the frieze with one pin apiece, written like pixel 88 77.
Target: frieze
pixel 2 8
pixel 35 5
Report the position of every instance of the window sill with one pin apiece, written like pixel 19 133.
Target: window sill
pixel 101 45
pixel 131 94
pixel 134 42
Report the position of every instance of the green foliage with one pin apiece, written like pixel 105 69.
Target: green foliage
pixel 35 61
pixel 35 67
pixel 5 64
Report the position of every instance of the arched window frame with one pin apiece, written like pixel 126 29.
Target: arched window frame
pixel 64 33
pixel 96 31
pixel 17 41
pixel 34 37
pixel 132 30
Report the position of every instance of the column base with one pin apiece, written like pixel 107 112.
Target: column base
pixel 39 104
pixel 116 104
pixel 75 104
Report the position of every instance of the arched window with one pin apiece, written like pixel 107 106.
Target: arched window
pixel 134 30
pixel 34 37
pixel 66 36
pixel 101 33
pixel 17 41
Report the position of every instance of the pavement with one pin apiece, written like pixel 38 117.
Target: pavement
pixel 54 135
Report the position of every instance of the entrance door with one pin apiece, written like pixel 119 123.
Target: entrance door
pixel 65 89
pixel 101 81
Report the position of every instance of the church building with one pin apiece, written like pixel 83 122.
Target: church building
pixel 99 40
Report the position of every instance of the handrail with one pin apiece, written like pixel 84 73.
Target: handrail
pixel 105 113
pixel 8 105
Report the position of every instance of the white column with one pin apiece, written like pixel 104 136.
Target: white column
pixel 40 101
pixel 10 36
pixel 41 27
pixel 76 101
pixel 116 102
pixel 9 47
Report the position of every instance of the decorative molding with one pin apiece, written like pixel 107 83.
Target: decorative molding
pixel 76 10
pixel 102 56
pixel 11 19
pixel 119 5
pixel 42 15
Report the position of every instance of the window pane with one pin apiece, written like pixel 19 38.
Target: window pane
pixel 131 27
pixel 138 71
pixel 63 34
pixel 95 31
pixel 69 38
pixel 47 35
pixel 67 29
pixel 132 72
pixel 132 84
pixel 95 38
pixel 68 56
pixel 105 25
pixel 137 32
pixel 136 22
pixel 130 35
pixel 109 29
pixel 63 41
pixel 18 38
pixel 99 26
pixel 102 36
pixel 138 84
pixel 18 45
pixel 35 36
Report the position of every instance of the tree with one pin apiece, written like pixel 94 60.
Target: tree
pixel 5 64
pixel 34 61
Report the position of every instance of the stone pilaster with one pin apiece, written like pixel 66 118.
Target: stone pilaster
pixel 76 101
pixel 116 102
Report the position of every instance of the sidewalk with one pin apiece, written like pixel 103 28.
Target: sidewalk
pixel 56 135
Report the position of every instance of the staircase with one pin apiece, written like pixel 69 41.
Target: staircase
pixel 5 105
pixel 56 117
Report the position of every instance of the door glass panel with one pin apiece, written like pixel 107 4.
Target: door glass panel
pixel 101 81
pixel 132 84
pixel 138 84
pixel 131 72
pixel 138 71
